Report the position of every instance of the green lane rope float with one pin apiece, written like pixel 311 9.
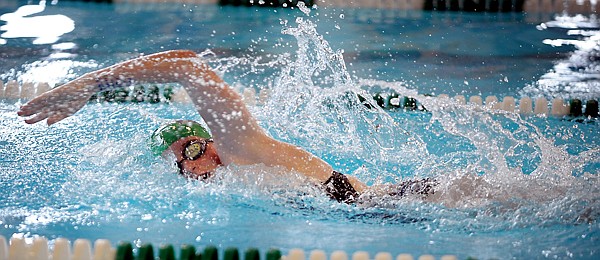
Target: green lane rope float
pixel 188 252
pixel 145 252
pixel 252 254
pixel 591 108
pixel 124 251
pixel 231 253
pixel 166 252
pixel 210 253
pixel 392 101
pixel 273 254
pixel 136 94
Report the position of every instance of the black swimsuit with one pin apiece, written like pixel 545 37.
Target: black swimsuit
pixel 338 187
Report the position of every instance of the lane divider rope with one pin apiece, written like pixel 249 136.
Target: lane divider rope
pixel 38 249
pixel 389 100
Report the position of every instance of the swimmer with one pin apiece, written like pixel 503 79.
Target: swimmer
pixel 235 137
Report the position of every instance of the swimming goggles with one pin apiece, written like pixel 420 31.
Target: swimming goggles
pixel 193 150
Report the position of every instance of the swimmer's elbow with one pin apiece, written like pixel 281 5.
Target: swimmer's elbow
pixel 168 57
pixel 185 53
pixel 178 54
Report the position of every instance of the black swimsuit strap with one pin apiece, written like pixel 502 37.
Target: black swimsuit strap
pixel 424 186
pixel 339 188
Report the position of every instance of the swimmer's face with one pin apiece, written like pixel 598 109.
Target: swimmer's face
pixel 196 157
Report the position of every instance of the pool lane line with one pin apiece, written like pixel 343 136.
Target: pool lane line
pixel 388 100
pixel 82 249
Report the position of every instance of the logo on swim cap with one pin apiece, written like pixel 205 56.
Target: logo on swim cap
pixel 166 135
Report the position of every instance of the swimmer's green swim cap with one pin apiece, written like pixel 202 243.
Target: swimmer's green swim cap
pixel 167 134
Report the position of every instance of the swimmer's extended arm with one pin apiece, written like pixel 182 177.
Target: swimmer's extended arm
pixel 62 102
pixel 238 137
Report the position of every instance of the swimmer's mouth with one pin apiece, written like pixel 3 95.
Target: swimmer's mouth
pixel 205 176
pixel 202 176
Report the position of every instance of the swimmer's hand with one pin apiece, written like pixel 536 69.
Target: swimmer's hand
pixel 57 104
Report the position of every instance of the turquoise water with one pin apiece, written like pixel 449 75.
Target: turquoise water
pixel 511 186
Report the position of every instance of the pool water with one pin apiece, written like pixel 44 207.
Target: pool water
pixel 511 186
pixel 440 52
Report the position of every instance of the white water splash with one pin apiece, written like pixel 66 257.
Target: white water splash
pixel 500 162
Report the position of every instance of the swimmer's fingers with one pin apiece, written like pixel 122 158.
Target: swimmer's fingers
pixel 56 117
pixel 57 103
pixel 39 117
pixel 25 111
pixel 59 112
pixel 53 116
pixel 30 108
pixel 42 102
